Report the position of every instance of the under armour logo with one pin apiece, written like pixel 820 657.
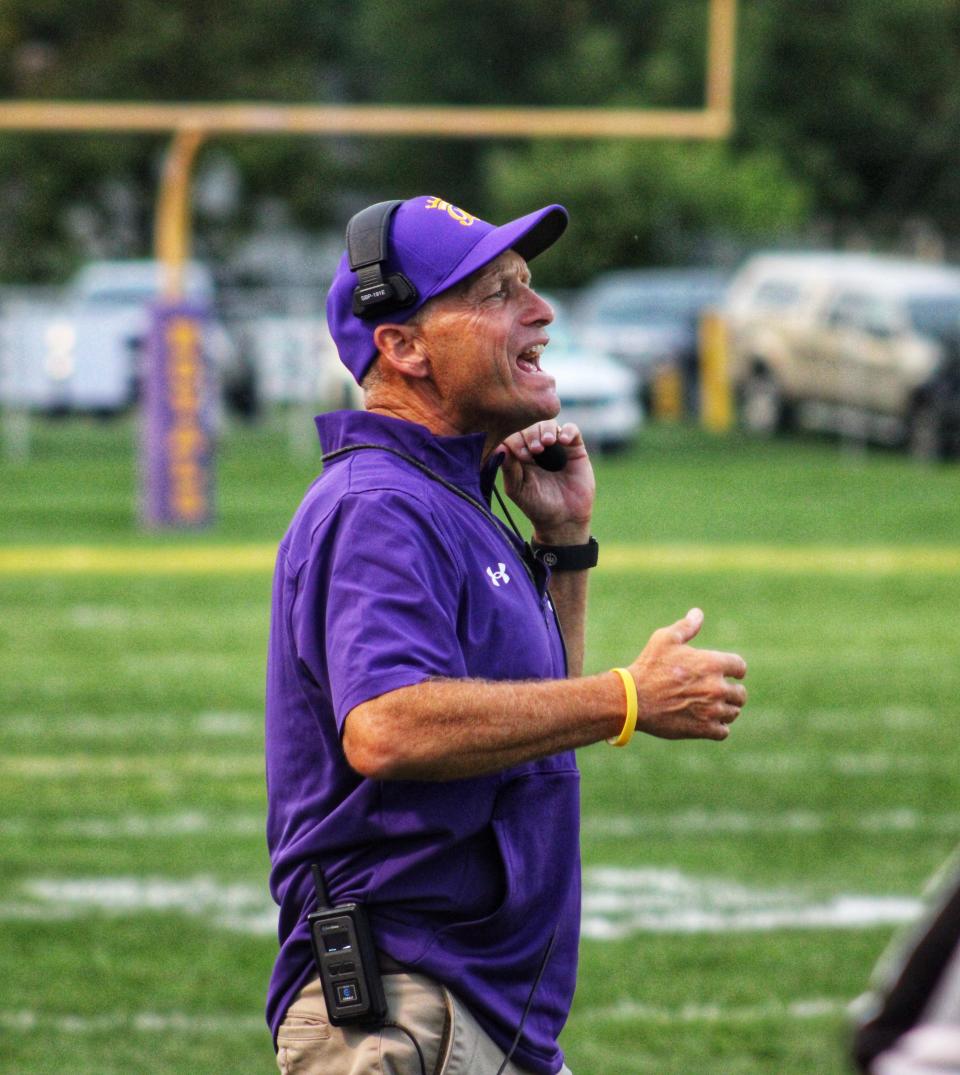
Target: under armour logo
pixel 496 577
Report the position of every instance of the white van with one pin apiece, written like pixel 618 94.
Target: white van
pixel 853 343
pixel 84 353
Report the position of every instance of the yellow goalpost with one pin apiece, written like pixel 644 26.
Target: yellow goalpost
pixel 192 124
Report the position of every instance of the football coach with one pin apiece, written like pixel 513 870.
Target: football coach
pixel 425 687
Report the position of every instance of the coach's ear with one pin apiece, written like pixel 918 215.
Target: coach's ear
pixel 401 348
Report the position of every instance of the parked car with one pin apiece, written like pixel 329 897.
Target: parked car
pixel 648 318
pixel 84 352
pixel 596 392
pixel 853 343
pixel 296 362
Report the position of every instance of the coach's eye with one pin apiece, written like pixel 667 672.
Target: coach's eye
pixel 504 287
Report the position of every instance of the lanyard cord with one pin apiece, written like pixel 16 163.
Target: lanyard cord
pixel 545 959
pixel 506 511
pixel 525 558
pixel 424 469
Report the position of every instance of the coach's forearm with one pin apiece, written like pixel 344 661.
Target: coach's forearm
pixel 448 729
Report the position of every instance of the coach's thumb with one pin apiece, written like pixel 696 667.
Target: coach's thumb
pixel 689 627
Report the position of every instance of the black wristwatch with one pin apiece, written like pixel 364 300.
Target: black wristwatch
pixel 567 557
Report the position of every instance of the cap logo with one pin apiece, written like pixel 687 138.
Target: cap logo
pixel 459 215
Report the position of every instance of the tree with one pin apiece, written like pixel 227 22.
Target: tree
pixel 860 99
pixel 845 109
pixel 152 50
pixel 635 204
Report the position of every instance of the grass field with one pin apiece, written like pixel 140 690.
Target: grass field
pixel 736 895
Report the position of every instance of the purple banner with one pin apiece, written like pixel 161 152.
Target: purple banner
pixel 179 410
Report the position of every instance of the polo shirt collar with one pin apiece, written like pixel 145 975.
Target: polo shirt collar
pixel 456 459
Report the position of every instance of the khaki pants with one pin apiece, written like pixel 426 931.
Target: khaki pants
pixel 450 1038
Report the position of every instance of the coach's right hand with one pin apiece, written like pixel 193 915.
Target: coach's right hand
pixel 683 692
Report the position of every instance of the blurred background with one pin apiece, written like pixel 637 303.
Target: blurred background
pixel 758 333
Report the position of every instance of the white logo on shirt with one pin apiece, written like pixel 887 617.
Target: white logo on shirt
pixel 496 577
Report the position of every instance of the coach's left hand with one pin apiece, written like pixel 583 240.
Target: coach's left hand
pixel 558 503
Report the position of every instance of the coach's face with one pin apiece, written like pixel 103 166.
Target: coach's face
pixel 483 340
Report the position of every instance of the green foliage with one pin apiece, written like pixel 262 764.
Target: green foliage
pixel 497 52
pixel 861 100
pixel 149 50
pixel 638 204
pixel 844 111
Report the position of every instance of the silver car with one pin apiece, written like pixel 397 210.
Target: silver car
pixel 852 343
pixel 596 392
pixel 647 318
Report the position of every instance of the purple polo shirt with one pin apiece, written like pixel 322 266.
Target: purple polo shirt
pixel 384 579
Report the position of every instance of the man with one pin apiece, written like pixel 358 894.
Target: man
pixel 423 705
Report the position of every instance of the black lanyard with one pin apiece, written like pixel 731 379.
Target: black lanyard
pixel 532 566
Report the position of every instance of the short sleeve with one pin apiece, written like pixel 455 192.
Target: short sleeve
pixel 377 604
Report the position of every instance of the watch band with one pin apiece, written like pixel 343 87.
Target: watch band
pixel 567 557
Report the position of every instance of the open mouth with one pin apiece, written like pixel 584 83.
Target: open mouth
pixel 529 360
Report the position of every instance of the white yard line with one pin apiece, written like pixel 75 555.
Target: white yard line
pixel 214 725
pixel 137 826
pixel 617 903
pixel 629 1011
pixel 625 1011
pixel 798 762
pixel 239 907
pixel 786 823
pixel 227 723
pixel 26 1021
pixel 50 767
pixel 187 823
pixel 766 763
pixel 801 1010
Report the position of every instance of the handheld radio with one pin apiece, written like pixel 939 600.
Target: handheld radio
pixel 346 960
pixel 553 457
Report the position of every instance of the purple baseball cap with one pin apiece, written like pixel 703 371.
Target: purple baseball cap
pixel 435 245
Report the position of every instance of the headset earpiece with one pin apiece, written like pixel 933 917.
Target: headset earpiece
pixel 367 250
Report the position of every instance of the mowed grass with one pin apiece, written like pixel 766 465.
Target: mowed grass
pixel 132 862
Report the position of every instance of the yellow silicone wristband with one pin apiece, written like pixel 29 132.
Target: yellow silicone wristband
pixel 630 721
